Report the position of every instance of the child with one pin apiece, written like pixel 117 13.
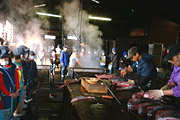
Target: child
pixel 19 111
pixel 32 76
pixel 9 83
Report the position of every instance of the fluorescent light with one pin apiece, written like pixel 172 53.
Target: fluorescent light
pixel 50 37
pixel 59 16
pixel 41 5
pixel 71 37
pixel 95 1
pixel 99 18
pixel 47 14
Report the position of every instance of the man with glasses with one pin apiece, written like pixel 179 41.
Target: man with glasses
pixel 172 88
pixel 145 68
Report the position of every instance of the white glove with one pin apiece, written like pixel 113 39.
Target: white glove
pixel 156 94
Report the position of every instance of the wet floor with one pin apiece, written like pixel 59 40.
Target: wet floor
pixel 49 107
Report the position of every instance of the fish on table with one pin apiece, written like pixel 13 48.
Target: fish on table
pixel 167 115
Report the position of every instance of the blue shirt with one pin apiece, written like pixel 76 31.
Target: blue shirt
pixel 145 68
pixel 64 58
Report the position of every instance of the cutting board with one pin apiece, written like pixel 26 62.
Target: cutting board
pixel 93 88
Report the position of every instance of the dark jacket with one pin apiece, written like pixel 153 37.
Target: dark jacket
pixel 25 71
pixel 113 58
pixel 146 71
pixel 123 62
pixel 31 71
pixel 10 85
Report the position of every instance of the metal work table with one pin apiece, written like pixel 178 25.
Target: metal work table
pixel 99 109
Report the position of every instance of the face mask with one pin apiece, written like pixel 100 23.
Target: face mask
pixel 7 62
pixel 32 57
pixel 65 49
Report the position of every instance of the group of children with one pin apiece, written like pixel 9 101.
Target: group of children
pixel 18 77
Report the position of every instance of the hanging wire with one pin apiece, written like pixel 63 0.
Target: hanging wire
pixel 79 24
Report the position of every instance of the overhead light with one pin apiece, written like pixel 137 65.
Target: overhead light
pixel 99 18
pixel 41 5
pixel 72 37
pixel 47 14
pixel 50 37
pixel 95 1
pixel 59 16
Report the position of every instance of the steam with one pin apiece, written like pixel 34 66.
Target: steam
pixel 77 22
pixel 27 28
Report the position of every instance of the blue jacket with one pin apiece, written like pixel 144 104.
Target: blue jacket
pixel 145 69
pixel 10 85
pixel 64 58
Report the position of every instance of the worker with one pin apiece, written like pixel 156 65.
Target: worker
pixel 112 60
pixel 41 54
pixel 123 61
pixel 102 60
pixel 58 51
pixel 73 61
pixel 64 61
pixel 9 83
pixel 53 62
pixel 32 76
pixel 172 88
pixel 145 68
pixel 82 53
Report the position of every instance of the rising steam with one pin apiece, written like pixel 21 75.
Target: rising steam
pixel 27 28
pixel 77 22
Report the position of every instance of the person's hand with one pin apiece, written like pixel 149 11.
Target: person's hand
pixel 171 84
pixel 17 92
pixel 62 63
pixel 131 81
pixel 13 95
pixel 123 72
pixel 155 94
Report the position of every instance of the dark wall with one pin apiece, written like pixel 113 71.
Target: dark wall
pixel 163 31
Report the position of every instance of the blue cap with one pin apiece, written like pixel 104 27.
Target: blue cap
pixel 114 49
pixel 4 52
pixel 124 53
pixel 24 47
pixel 32 52
pixel 19 51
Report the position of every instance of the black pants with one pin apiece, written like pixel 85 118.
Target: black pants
pixel 29 89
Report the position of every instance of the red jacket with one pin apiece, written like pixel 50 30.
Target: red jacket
pixel 3 87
